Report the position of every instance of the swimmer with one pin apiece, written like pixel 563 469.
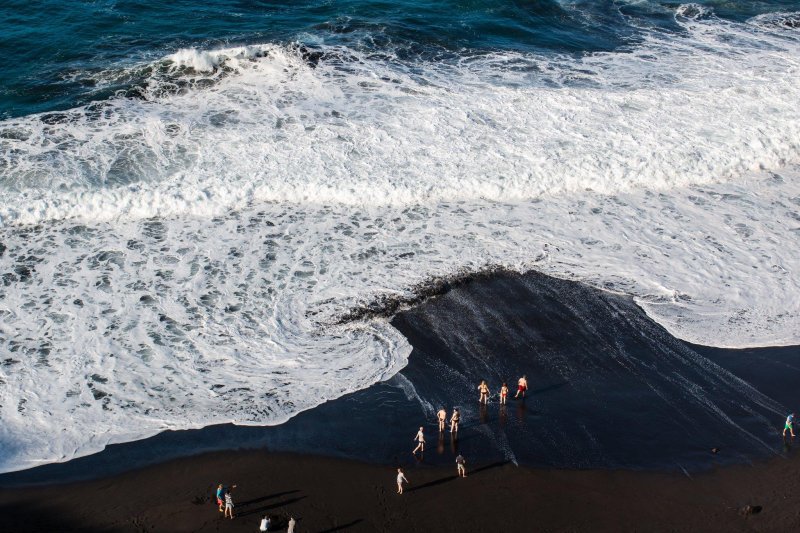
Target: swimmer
pixel 789 425
pixel 454 419
pixel 420 438
pixel 522 386
pixel 442 417
pixel 483 388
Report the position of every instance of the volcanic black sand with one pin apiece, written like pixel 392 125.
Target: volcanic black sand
pixel 625 412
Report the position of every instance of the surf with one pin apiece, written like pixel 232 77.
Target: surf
pixel 181 254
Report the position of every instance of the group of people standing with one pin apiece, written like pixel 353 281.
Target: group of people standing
pixel 225 504
pixel 455 418
pixel 225 500
pixel 483 389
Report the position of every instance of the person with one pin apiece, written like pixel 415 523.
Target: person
pixel 441 416
pixel 221 490
pixel 483 388
pixel 228 505
pixel 420 438
pixel 454 420
pixel 460 462
pixel 789 425
pixel 503 393
pixel 220 496
pixel 522 386
pixel 292 523
pixel 265 523
pixel 400 480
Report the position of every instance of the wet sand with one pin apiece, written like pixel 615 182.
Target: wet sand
pixel 326 494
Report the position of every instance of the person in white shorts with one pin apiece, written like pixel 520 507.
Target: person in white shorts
pixel 460 462
pixel 228 505
pixel 400 480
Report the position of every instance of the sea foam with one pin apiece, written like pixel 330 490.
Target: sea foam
pixel 182 256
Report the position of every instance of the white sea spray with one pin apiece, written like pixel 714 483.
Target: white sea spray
pixel 181 258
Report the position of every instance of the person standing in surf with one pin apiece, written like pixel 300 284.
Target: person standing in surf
pixel 483 389
pixel 454 419
pixel 420 439
pixel 503 393
pixel 789 425
pixel 522 386
pixel 400 480
pixel 442 417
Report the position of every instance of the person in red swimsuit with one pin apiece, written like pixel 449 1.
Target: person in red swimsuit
pixel 522 386
pixel 503 394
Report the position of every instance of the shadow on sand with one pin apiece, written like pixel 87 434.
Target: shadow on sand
pixel 270 506
pixel 446 479
pixel 343 527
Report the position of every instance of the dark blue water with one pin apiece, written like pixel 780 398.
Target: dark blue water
pixel 51 51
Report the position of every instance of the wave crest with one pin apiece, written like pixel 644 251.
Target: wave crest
pixel 694 11
pixel 781 20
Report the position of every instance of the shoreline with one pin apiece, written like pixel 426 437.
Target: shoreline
pixel 618 469
pixel 328 494
pixel 460 336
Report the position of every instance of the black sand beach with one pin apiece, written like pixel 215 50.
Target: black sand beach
pixel 326 495
pixel 612 395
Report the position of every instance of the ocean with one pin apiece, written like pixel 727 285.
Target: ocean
pixel 207 208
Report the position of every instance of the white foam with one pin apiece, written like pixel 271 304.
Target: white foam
pixel 364 176
pixel 204 61
pixel 694 11
pixel 779 19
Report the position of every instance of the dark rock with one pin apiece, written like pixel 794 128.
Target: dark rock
pixel 748 510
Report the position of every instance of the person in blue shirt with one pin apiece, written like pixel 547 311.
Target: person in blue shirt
pixel 789 425
pixel 220 496
pixel 221 490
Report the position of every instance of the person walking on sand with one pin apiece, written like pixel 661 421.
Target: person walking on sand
pixel 400 480
pixel 441 416
pixel 789 425
pixel 420 439
pixel 292 523
pixel 522 386
pixel 460 462
pixel 228 505
pixel 220 496
pixel 483 388
pixel 454 419
pixel 221 490
pixel 503 393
